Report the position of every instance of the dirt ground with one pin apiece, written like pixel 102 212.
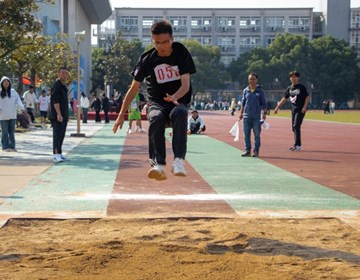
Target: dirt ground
pixel 179 249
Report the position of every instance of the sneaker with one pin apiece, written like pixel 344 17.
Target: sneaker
pixel 64 158
pixel 295 148
pixel 157 172
pixel 57 158
pixel 137 129
pixel 246 154
pixel 141 130
pixel 255 154
pixel 178 167
pixel 129 131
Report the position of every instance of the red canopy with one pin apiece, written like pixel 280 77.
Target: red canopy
pixel 27 81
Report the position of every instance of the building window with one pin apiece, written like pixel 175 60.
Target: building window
pixel 178 23
pixel 275 24
pixel 149 21
pixel 299 24
pixel 203 23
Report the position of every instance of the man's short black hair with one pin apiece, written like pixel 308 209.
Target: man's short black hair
pixel 294 73
pixel 161 27
pixel 254 74
pixel 63 68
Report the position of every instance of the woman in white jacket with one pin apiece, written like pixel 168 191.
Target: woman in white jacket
pixel 9 99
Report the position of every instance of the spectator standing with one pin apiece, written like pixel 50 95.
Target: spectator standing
pixel 30 100
pixel 252 102
pixel 9 101
pixel 44 101
pixel 135 115
pixel 233 106
pixel 96 105
pixel 167 69
pixel 84 103
pixel 59 113
pixel 299 99
pixel 105 103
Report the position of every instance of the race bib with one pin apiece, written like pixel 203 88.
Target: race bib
pixel 166 73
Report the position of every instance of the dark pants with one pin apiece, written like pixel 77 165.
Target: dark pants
pixel 85 115
pixel 296 120
pixel 106 114
pixel 97 116
pixel 59 130
pixel 158 116
pixel 31 113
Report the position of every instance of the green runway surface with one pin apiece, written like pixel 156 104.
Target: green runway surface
pixel 92 168
pixel 245 183
pixel 251 183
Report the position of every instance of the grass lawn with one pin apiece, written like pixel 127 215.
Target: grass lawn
pixel 344 116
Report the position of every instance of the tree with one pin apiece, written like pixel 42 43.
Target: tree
pixel 118 62
pixel 210 71
pixel 42 59
pixel 290 52
pixel 19 26
pixel 326 63
pixel 335 68
pixel 98 72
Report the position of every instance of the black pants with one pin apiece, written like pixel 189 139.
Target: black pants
pixel 59 130
pixel 97 116
pixel 296 120
pixel 106 114
pixel 158 116
pixel 30 111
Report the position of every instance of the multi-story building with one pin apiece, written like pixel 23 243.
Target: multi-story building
pixel 234 31
pixel 355 29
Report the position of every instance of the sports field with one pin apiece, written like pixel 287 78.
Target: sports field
pixel 284 215
pixel 343 116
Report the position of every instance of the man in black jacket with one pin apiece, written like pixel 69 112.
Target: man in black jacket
pixel 96 105
pixel 59 113
pixel 106 107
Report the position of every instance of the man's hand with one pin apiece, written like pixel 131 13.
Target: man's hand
pixel 59 118
pixel 171 98
pixel 118 123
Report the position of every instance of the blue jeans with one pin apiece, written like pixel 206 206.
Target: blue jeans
pixel 254 124
pixel 8 134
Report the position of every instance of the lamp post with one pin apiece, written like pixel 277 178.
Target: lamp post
pixel 79 36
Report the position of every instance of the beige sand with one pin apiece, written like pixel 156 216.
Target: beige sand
pixel 179 249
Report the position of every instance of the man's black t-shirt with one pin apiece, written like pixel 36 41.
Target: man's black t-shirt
pixel 59 95
pixel 162 74
pixel 297 94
